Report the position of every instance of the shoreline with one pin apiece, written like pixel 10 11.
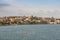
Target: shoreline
pixel 28 24
pixel 24 20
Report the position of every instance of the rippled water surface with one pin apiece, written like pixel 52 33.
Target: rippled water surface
pixel 30 32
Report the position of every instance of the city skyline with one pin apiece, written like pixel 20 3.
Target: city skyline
pixel 43 8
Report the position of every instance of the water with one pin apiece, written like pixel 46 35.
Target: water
pixel 30 32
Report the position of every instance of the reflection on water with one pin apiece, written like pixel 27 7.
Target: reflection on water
pixel 30 32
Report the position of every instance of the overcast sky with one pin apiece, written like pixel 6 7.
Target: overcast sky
pixel 42 8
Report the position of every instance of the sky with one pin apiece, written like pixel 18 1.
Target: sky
pixel 42 8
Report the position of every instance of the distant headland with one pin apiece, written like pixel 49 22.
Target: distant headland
pixel 28 20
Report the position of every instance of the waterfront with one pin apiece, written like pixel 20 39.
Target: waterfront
pixel 12 20
pixel 30 32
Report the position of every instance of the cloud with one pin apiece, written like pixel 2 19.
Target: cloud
pixel 21 9
pixel 15 9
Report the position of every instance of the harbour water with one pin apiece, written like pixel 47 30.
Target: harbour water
pixel 30 32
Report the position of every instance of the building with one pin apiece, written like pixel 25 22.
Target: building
pixel 58 21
